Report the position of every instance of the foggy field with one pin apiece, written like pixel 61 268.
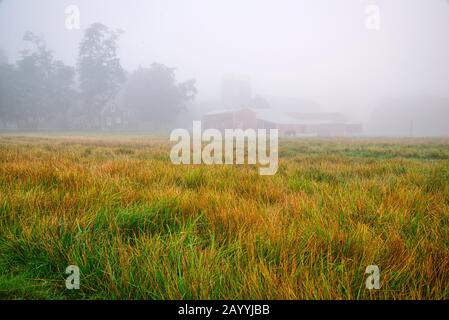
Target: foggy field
pixel 140 227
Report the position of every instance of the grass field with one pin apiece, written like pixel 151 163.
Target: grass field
pixel 140 227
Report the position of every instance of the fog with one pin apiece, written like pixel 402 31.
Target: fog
pixel 383 63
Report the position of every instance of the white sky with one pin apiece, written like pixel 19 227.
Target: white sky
pixel 316 50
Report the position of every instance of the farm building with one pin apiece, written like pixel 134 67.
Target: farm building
pixel 288 124
pixel 114 117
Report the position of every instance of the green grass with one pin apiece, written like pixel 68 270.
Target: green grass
pixel 140 227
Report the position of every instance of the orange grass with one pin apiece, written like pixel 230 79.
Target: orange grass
pixel 141 227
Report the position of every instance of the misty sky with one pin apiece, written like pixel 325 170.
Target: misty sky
pixel 317 50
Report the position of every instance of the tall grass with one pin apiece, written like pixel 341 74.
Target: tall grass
pixel 140 227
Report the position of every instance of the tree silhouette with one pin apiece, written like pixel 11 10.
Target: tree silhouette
pixel 100 72
pixel 155 95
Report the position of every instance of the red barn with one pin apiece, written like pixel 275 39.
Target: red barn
pixel 288 124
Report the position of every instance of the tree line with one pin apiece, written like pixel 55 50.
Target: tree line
pixel 38 90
